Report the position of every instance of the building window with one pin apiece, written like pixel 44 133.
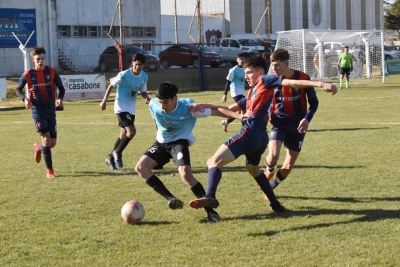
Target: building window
pixel 94 31
pixel 114 31
pixel 149 32
pixel 143 32
pixel 64 31
pixel 80 31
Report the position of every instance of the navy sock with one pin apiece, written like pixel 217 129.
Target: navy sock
pixel 159 187
pixel 47 157
pixel 262 181
pixel 214 177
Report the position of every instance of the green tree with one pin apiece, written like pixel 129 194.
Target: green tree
pixel 391 15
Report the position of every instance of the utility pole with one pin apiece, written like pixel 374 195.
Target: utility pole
pixel 268 20
pixel 176 23
pixel 199 24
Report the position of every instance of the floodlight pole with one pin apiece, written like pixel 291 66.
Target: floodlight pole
pixel 26 57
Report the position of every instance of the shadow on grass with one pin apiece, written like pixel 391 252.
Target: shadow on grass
pixel 344 199
pixel 364 216
pixel 155 223
pixel 6 109
pixel 347 129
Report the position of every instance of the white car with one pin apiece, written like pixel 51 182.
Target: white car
pixel 332 46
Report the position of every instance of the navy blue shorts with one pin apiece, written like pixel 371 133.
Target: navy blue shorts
pixel 44 119
pixel 162 153
pixel 249 142
pixel 292 140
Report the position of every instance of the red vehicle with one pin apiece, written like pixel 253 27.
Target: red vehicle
pixel 186 55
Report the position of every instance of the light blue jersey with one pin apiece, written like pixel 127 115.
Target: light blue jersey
pixel 175 125
pixel 237 77
pixel 128 85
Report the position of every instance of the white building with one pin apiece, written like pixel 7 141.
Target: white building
pixel 78 28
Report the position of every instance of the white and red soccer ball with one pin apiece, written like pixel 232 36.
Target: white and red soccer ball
pixel 132 212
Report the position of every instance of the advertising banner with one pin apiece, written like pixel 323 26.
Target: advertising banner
pixel 84 86
pixel 3 89
pixel 393 66
pixel 20 21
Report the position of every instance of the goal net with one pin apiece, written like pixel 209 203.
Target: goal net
pixel 316 52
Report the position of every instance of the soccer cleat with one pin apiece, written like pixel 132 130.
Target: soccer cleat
pixel 204 202
pixel 213 217
pixel 50 174
pixel 175 203
pixel 347 87
pixel 277 207
pixel 38 152
pixel 224 125
pixel 118 159
pixel 341 87
pixel 110 162
pixel 271 175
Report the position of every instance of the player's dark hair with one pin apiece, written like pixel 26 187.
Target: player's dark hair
pixel 37 50
pixel 346 47
pixel 256 62
pixel 279 54
pixel 244 55
pixel 166 90
pixel 139 56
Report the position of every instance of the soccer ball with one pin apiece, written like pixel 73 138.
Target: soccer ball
pixel 132 212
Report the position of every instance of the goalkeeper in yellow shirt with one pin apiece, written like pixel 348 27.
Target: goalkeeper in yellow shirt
pixel 345 66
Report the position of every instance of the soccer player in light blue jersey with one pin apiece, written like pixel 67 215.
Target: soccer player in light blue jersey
pixel 174 122
pixel 235 83
pixel 128 83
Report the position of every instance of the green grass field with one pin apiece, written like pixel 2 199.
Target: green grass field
pixel 343 194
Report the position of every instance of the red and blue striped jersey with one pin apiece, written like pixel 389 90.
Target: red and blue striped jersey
pixel 259 99
pixel 291 103
pixel 42 86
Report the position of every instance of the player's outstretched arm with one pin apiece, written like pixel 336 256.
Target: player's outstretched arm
pixel 327 87
pixel 199 112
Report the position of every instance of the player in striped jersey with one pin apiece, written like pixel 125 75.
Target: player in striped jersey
pixel 252 139
pixel 42 81
pixel 290 117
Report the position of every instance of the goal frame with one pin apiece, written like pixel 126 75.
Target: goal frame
pixel 311 41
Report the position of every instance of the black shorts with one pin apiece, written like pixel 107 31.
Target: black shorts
pixel 162 153
pixel 125 119
pixel 344 70
pixel 238 97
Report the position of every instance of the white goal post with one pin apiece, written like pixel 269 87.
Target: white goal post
pixel 316 52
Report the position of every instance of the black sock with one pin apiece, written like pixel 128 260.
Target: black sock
pixel 229 120
pixel 124 142
pixel 47 157
pixel 159 187
pixel 277 180
pixel 271 168
pixel 214 177
pixel 198 191
pixel 116 144
pixel 262 181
